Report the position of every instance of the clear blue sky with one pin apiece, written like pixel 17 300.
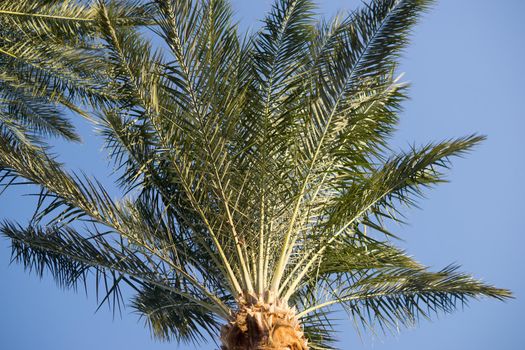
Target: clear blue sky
pixel 466 64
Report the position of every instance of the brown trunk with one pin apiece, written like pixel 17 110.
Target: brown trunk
pixel 263 324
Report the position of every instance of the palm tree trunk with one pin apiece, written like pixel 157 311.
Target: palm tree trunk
pixel 263 323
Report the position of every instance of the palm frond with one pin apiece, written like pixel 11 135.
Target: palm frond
pixel 278 58
pixel 70 19
pixel 379 286
pixel 319 329
pixel 73 259
pixel 362 52
pixel 399 180
pixel 372 198
pixel 61 16
pixel 70 257
pixel 37 114
pixel 172 315
pixel 362 253
pixel 390 297
pixel 48 53
pixel 85 198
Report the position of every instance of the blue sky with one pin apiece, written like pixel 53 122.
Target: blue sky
pixel 466 68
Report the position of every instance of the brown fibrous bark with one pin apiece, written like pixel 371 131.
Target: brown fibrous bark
pixel 263 323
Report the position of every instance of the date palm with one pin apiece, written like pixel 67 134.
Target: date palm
pixel 257 182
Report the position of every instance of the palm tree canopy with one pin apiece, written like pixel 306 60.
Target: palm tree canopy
pixel 249 164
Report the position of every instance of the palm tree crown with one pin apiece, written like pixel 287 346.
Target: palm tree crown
pixel 255 170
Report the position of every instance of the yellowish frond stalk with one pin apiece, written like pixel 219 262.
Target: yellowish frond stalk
pixel 261 258
pixel 41 15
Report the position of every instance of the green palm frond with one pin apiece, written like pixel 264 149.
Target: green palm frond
pixel 397 296
pixel 172 315
pixel 382 287
pixel 362 253
pixel 400 179
pixel 73 258
pixel 278 59
pixel 37 114
pixel 359 54
pixel 68 255
pixel 67 18
pixel 84 198
pixel 320 331
pixel 372 199
pixel 48 53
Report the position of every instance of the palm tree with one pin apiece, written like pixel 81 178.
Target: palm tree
pixel 257 182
